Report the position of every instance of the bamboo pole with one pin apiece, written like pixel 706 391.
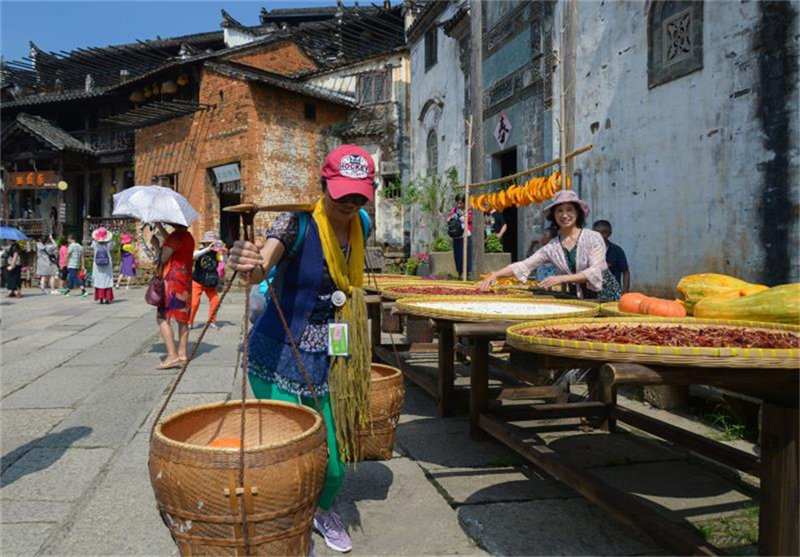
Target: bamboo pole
pixel 562 125
pixel 537 168
pixel 465 239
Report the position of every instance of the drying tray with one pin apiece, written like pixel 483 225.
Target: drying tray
pixel 496 308
pixel 690 356
pixel 611 309
pixel 393 292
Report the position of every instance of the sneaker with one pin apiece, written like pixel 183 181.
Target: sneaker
pixel 330 526
pixel 214 326
pixel 66 293
pixel 84 294
pixel 55 292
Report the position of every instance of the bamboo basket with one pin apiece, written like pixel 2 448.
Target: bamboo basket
pixel 468 308
pixel 523 337
pixel 195 485
pixel 386 394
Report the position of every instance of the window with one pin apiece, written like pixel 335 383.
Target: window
pixel 311 112
pixel 674 40
pixel 430 48
pixel 391 186
pixel 373 87
pixel 167 180
pixel 432 150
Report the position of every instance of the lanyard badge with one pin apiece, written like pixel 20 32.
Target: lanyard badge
pixel 338 334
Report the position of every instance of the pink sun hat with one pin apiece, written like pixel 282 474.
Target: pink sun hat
pixel 125 239
pixel 101 235
pixel 349 169
pixel 566 196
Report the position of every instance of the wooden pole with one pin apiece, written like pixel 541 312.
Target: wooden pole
pixel 476 109
pixel 468 172
pixel 562 126
pixel 536 168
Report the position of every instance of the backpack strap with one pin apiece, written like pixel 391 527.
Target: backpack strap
pixel 365 224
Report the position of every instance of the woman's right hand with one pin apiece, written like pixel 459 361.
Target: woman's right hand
pixel 487 283
pixel 245 256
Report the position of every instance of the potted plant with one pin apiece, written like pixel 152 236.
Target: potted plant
pixel 494 257
pixel 441 257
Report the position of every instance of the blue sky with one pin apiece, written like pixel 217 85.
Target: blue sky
pixel 68 24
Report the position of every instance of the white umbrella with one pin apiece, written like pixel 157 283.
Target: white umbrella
pixel 153 204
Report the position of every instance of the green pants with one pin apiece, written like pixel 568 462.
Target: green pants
pixel 335 474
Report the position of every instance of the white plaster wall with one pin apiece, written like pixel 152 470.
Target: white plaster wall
pixel 444 82
pixel 675 168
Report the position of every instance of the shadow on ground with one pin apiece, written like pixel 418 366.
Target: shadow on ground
pixel 59 441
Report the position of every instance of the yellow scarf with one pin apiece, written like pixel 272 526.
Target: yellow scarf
pixel 348 378
pixel 345 274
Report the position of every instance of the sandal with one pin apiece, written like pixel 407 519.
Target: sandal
pixel 174 364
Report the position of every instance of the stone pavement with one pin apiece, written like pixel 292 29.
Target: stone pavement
pixel 79 391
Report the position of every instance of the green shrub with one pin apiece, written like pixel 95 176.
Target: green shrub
pixel 411 266
pixel 441 244
pixel 493 244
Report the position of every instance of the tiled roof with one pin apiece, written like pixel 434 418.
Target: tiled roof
pixel 55 97
pixel 239 71
pixel 47 132
pixel 428 14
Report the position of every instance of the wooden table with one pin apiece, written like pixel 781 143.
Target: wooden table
pixel 779 531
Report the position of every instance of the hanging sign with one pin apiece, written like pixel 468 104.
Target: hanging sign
pixel 32 180
pixel 502 130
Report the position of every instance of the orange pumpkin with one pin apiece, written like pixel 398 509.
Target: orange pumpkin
pixel 661 307
pixel 630 302
pixel 225 442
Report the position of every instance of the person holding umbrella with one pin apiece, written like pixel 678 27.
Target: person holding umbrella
pixel 102 267
pixel 157 205
pixel 174 258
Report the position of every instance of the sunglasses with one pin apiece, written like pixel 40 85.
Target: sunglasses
pixel 353 199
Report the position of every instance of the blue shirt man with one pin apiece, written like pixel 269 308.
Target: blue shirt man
pixel 615 256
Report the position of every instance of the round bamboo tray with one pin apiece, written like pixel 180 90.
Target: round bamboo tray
pixel 611 309
pixel 396 291
pixel 286 457
pixel 386 394
pixel 690 356
pixel 494 308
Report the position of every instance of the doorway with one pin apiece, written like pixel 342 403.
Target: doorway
pixel 229 222
pixel 507 162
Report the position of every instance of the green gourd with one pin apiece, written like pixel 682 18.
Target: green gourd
pixel 780 304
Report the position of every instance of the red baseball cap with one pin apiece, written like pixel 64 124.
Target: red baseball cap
pixel 349 169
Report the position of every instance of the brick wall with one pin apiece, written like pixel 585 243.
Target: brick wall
pixel 283 58
pixel 263 128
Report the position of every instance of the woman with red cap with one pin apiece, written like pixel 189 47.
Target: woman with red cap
pixel 578 254
pixel 318 258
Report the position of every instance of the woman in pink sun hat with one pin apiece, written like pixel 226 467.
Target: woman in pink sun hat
pixel 127 267
pixel 102 266
pixel 578 254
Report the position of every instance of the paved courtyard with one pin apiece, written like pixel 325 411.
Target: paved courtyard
pixel 79 390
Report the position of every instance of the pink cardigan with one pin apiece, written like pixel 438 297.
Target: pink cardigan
pixel 590 259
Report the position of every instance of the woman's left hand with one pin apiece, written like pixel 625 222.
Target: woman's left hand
pixel 552 281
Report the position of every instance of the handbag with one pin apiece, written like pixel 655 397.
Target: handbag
pixel 155 293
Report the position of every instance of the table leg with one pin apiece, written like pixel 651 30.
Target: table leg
pixel 607 394
pixel 779 517
pixel 447 372
pixel 375 325
pixel 478 385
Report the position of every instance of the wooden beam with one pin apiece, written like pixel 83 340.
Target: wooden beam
pixel 627 508
pixel 478 385
pixel 697 443
pixel 447 373
pixel 519 413
pixel 490 328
